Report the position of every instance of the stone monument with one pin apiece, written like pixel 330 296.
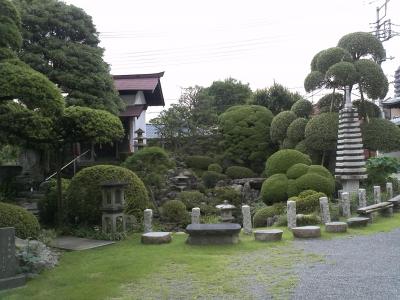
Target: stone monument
pixel 389 190
pixel 291 214
pixel 350 159
pixel 8 262
pixel 147 220
pixel 377 194
pixel 195 215
pixel 247 229
pixel 324 207
pixel 346 204
pixel 362 198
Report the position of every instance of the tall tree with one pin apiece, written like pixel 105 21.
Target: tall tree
pixel 60 41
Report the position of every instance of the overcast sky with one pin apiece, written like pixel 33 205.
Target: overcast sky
pixel 255 41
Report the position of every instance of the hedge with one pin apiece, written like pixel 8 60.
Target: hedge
pixel 282 160
pixel 316 182
pixel 215 168
pixel 175 211
pixel 210 178
pixel 307 202
pixel 274 189
pixel 237 172
pixel 191 198
pixel 261 215
pixel 199 162
pixel 297 170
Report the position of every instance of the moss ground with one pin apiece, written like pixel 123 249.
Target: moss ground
pixel 130 270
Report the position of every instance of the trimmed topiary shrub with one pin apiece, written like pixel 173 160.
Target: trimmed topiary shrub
pixel 296 171
pixel 292 189
pixel 274 189
pixel 210 178
pixel 174 211
pixel 301 147
pixel 215 168
pixel 296 129
pixel 321 132
pixel 288 144
pixel 316 182
pixel 305 220
pixel 367 109
pixel 227 193
pixel 25 223
pixel 261 216
pixel 330 103
pixel 320 170
pixel 198 162
pixel 84 193
pixel 280 124
pixel 191 198
pixel 237 172
pixel 380 134
pixel 307 202
pixel 302 108
pixel 282 160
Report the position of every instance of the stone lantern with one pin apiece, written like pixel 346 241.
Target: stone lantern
pixel 181 181
pixel 113 201
pixel 140 138
pixel 226 210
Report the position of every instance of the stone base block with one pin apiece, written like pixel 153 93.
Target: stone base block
pixel 336 227
pixel 306 232
pixel 156 238
pixel 213 234
pixel 12 282
pixel 213 239
pixel 270 235
pixel 358 222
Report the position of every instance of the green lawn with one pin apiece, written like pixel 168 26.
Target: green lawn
pixel 130 270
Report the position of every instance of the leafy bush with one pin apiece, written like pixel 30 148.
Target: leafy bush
pixel 367 109
pixel 330 103
pixel 237 172
pixel 381 134
pixel 288 144
pixel 199 162
pixel 292 189
pixel 261 216
pixel 84 193
pixel 48 205
pixel 304 220
pixel 280 124
pixel 302 108
pixel 316 182
pixel 215 168
pixel 307 201
pixel 227 193
pixel 191 199
pixel 296 130
pixel 301 147
pixel 297 170
pixel 320 170
pixel 380 168
pixel 274 189
pixel 282 160
pixel 175 211
pixel 321 132
pixel 211 178
pixel 25 223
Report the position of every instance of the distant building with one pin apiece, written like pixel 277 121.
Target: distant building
pixel 391 106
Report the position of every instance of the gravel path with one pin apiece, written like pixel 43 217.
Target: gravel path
pixel 361 267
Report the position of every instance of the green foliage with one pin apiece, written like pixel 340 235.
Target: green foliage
pixel 301 147
pixel 313 81
pixel 342 74
pixel 48 205
pixel 210 178
pixel 26 225
pixel 288 144
pixel 60 41
pixel 237 172
pixel 261 215
pixel 277 98
pixel 175 211
pixel 321 132
pixel 84 193
pixel 329 57
pixel 280 124
pixel 10 23
pixel 191 199
pixel 307 202
pixel 245 131
pixel 367 109
pixel 9 154
pixel 361 44
pixel 316 182
pixel 274 189
pixel 215 168
pixel 297 170
pixel 372 78
pixel 282 160
pixel 320 170
pixel 380 134
pixel 380 168
pixel 296 130
pixel 302 108
pixel 331 103
pixel 305 220
pixel 227 193
pixel 199 162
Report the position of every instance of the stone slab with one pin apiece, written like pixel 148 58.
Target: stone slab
pixel 357 222
pixel 72 243
pixel 213 234
pixel 12 282
pixel 156 238
pixel 306 232
pixel 336 227
pixel 270 235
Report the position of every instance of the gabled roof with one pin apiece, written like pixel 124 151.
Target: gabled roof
pixel 149 84
pixel 132 111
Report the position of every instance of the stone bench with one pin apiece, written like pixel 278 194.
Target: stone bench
pixel 385 208
pixel 306 232
pixel 213 234
pixel 358 222
pixel 270 235
pixel 336 227
pixel 156 237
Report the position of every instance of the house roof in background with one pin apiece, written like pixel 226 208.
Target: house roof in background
pixel 132 111
pixel 152 132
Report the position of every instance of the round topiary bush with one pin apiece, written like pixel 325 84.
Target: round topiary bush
pixel 367 109
pixel 280 124
pixel 292 188
pixel 191 198
pixel 321 132
pixel 380 134
pixel 174 211
pixel 320 170
pixel 215 168
pixel 296 171
pixel 274 189
pixel 237 172
pixel 316 182
pixel 282 160
pixel 307 202
pixel 25 223
pixel 84 193
pixel 301 147
pixel 198 162
pixel 296 129
pixel 330 103
pixel 210 178
pixel 261 216
pixel 302 108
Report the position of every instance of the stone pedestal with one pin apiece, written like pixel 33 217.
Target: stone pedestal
pixel 247 228
pixel 336 227
pixel 351 186
pixel 195 215
pixel 271 235
pixel 346 204
pixel 291 214
pixel 389 190
pixel 213 234
pixel 147 220
pixel 324 207
pixel 362 198
pixel 306 232
pixel 156 238
pixel 8 263
pixel 357 222
pixel 109 222
pixel 377 194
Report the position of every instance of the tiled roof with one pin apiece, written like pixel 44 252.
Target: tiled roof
pixel 132 111
pixel 137 82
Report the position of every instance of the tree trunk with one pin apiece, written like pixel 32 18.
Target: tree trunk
pixel 60 211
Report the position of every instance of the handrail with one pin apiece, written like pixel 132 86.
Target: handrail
pixel 76 158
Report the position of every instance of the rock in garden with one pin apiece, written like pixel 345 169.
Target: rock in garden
pixel 336 227
pixel 306 232
pixel 156 237
pixel 270 235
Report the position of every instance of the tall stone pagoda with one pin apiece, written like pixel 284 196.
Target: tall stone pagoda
pixel 350 159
